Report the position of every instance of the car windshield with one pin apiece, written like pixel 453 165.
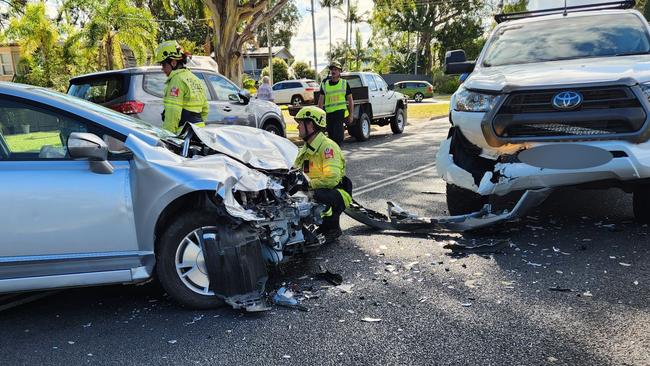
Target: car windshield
pixel 117 117
pixel 568 38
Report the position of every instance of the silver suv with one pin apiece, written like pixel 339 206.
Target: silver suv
pixel 91 196
pixel 138 92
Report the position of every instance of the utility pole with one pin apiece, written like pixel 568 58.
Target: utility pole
pixel 416 53
pixel 313 31
pixel 347 43
pixel 268 41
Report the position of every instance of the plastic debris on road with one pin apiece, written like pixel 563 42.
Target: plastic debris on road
pixel 370 320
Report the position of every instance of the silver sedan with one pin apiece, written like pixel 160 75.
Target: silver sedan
pixel 90 196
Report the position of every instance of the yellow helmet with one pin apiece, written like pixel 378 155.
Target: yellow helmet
pixel 312 113
pixel 168 49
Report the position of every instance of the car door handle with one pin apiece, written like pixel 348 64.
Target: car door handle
pixel 227 109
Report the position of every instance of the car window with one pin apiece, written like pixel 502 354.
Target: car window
pixel 278 86
pixel 372 86
pixel 224 88
pixel 295 85
pixel 28 132
pixel 353 80
pixel 101 89
pixel 154 84
pixel 381 84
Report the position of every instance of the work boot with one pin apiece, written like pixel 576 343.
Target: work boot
pixel 331 235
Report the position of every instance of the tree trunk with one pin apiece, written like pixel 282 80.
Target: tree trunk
pixel 425 45
pixel 313 32
pixel 329 11
pixel 109 53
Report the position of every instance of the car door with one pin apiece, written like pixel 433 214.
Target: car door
pixel 387 97
pixel 228 102
pixel 153 84
pixel 278 96
pixel 57 217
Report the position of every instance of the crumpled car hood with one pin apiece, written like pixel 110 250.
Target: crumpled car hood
pixel 590 70
pixel 252 146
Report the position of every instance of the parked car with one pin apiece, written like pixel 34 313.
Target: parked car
pixel 295 92
pixel 91 196
pixel 138 92
pixel 555 99
pixel 416 90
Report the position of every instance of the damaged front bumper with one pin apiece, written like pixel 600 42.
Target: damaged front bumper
pixel 533 166
pixel 401 220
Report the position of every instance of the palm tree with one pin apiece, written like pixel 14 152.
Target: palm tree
pixel 330 4
pixel 360 53
pixel 353 17
pixel 116 22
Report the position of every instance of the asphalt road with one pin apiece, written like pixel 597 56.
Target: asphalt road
pixel 436 308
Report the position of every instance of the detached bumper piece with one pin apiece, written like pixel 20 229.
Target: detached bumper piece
pixel 236 268
pixel 401 220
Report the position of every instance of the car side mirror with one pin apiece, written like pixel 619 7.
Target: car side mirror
pixel 456 63
pixel 244 95
pixel 89 146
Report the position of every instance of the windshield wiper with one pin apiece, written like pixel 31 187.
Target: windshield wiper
pixel 633 53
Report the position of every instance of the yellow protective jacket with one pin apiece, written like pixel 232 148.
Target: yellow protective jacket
pixel 183 90
pixel 323 162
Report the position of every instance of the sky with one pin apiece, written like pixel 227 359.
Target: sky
pixel 302 42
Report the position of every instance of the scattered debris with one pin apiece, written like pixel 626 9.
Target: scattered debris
pixel 285 297
pixel 624 264
pixel 636 283
pixel 466 304
pixel 70 342
pixel 551 359
pixel 587 293
pixel 560 289
pixel 346 289
pixel 533 264
pixel 87 325
pixel 370 320
pixel 410 265
pixel 333 278
pixel 286 356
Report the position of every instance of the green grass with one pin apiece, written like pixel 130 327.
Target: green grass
pixel 32 142
pixel 427 110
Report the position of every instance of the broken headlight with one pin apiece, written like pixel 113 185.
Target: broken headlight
pixel 469 101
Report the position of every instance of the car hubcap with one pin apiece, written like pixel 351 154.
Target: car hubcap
pixel 418 98
pixel 400 121
pixel 296 102
pixel 190 262
pixel 365 128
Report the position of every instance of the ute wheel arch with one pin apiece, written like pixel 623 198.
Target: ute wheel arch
pixel 274 126
pixel 191 201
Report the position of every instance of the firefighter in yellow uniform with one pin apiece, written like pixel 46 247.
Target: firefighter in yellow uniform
pixel 184 97
pixel 321 160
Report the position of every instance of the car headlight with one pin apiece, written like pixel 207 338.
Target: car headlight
pixel 469 101
pixel 645 88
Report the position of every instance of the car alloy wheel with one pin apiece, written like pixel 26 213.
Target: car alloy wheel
pixel 418 97
pixel 190 262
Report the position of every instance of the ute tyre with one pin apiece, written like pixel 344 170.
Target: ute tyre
pixel 398 122
pixel 418 97
pixel 461 201
pixel 296 101
pixel 641 204
pixel 167 247
pixel 361 130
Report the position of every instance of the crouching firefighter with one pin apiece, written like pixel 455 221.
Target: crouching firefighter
pixel 184 97
pixel 321 160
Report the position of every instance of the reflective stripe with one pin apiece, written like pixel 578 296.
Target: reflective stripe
pixel 327 213
pixel 347 199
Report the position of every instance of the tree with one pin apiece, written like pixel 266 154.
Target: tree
pixel 329 4
pixel 117 22
pixel 427 18
pixel 301 70
pixel 235 23
pixel 37 36
pixel 14 8
pixel 186 20
pixel 353 17
pixel 341 53
pixel 359 53
pixel 283 27
pixel 280 70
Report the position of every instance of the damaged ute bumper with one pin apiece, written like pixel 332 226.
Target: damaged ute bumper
pixel 530 166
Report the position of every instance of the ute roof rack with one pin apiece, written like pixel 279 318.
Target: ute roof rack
pixel 623 4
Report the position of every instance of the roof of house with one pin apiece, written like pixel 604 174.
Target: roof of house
pixel 264 51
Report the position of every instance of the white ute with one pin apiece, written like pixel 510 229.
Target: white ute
pixel 558 97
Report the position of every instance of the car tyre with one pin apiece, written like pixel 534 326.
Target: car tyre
pixel 461 201
pixel 398 122
pixel 167 251
pixel 418 97
pixel 296 101
pixel 273 128
pixel 361 130
pixel 641 204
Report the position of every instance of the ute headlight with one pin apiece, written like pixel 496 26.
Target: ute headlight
pixel 469 101
pixel 645 88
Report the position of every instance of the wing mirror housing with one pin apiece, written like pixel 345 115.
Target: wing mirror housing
pixel 456 63
pixel 90 147
pixel 244 95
